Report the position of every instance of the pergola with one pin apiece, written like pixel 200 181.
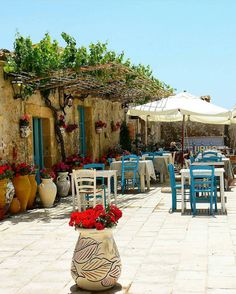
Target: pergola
pixel 112 81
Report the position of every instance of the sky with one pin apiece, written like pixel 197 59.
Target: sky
pixel 189 44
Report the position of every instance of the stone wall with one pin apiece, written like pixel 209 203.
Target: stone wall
pixel 173 131
pixel 15 148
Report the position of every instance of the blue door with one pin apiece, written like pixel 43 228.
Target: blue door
pixel 82 136
pixel 38 144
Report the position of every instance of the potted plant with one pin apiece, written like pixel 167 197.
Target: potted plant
pixel 21 183
pixel 34 186
pixel 99 125
pixel 47 189
pixel 6 191
pixel 96 263
pixel 61 123
pixel 63 181
pixel 24 126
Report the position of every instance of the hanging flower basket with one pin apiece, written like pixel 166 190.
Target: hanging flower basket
pixel 25 126
pixel 99 125
pixel 98 130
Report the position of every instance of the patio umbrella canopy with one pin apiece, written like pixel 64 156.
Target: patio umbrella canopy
pixel 181 107
pixel 174 108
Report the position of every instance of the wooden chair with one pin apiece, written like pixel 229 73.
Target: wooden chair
pixel 86 193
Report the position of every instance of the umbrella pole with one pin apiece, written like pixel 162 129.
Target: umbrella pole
pixel 183 132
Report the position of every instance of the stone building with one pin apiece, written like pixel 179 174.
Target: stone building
pixel 43 140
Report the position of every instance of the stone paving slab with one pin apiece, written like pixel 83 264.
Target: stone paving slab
pixel 161 252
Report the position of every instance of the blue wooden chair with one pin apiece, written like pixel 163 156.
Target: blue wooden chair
pixel 209 153
pixel 97 166
pixel 175 188
pixel 203 187
pixel 210 159
pixel 129 172
pixel 158 153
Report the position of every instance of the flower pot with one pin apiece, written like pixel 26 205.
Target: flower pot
pixel 34 187
pixel 63 184
pixel 24 131
pixel 9 194
pixel 23 188
pixel 96 263
pixel 47 192
pixel 98 130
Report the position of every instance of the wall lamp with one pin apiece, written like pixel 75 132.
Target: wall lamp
pixel 17 86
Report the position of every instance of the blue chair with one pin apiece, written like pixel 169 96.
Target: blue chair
pixel 158 153
pixel 129 172
pixel 203 187
pixel 210 159
pixel 175 188
pixel 209 153
pixel 97 166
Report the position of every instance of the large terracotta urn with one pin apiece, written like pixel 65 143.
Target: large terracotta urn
pixel 96 264
pixel 47 192
pixel 63 184
pixel 23 188
pixel 34 187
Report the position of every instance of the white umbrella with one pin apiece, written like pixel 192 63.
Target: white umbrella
pixel 177 107
pixel 174 108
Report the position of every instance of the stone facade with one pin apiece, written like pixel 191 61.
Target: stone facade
pixel 15 148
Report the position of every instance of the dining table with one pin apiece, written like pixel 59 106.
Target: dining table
pixel 145 168
pixel 185 174
pixel 160 163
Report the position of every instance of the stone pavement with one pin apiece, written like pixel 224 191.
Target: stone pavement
pixel 161 252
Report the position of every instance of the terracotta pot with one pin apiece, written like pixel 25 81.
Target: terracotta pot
pixel 47 192
pixel 3 191
pixel 96 263
pixel 34 187
pixel 15 206
pixel 23 189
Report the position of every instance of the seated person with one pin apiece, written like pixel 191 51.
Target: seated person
pixel 173 147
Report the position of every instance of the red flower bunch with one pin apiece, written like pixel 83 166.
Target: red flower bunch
pixel 24 120
pixel 47 174
pixel 71 127
pixel 21 169
pixel 96 218
pixel 61 167
pixel 100 124
pixel 6 172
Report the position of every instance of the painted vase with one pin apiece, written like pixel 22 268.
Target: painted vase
pixel 34 187
pixel 96 264
pixel 22 188
pixel 47 192
pixel 63 184
pixel 9 194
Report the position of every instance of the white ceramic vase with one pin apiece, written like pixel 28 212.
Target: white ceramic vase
pixel 63 184
pixel 96 263
pixel 47 192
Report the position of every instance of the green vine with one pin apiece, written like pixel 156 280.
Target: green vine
pixel 41 59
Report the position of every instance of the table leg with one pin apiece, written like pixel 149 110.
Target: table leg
pixel 142 183
pixel 148 182
pixel 109 189
pixel 182 194
pixel 115 188
pixel 161 177
pixel 222 192
pixel 73 192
